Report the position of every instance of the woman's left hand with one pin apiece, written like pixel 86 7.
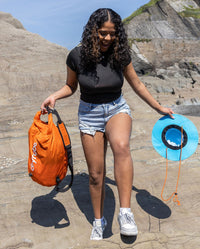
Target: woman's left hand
pixel 166 111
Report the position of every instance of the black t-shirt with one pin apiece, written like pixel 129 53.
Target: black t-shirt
pixel 98 86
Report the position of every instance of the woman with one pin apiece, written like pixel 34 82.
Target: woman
pixel 99 65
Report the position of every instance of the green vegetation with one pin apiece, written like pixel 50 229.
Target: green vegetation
pixel 140 11
pixel 132 40
pixel 190 12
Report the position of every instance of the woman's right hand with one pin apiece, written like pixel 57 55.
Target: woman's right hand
pixel 50 101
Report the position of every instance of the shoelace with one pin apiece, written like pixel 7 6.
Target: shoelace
pixel 128 218
pixel 97 231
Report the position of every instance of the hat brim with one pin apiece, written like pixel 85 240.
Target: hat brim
pixel 189 139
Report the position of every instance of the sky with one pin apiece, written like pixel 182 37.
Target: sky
pixel 62 21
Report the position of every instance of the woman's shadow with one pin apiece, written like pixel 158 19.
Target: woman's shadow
pixel 80 190
pixel 46 211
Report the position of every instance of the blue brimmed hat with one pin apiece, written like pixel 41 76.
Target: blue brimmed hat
pixel 167 134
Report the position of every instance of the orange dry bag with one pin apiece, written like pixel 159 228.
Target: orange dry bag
pixel 49 150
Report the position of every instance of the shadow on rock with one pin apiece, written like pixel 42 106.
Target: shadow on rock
pixel 80 190
pixel 151 204
pixel 48 212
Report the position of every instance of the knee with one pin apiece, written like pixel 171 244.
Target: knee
pixel 96 178
pixel 122 148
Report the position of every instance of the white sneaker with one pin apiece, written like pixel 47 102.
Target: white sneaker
pixel 97 231
pixel 127 224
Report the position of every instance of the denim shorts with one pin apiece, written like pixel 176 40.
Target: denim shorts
pixel 94 117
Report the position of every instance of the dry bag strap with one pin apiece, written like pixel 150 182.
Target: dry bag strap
pixel 67 144
pixel 66 141
pixel 175 194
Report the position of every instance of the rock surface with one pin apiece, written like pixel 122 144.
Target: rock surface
pixel 29 63
pixel 163 36
pixel 37 217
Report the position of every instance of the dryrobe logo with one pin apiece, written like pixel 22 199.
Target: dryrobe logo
pixel 33 158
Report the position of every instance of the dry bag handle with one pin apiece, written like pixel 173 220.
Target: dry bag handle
pixel 53 111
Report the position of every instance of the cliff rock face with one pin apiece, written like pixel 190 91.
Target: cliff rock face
pixel 164 20
pixel 165 35
pixel 29 64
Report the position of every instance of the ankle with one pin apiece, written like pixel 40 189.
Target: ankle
pixel 125 210
pixel 100 222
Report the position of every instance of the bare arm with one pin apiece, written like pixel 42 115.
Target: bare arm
pixel 142 91
pixel 65 91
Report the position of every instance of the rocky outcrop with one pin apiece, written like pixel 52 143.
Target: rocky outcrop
pixel 29 64
pixel 165 34
pixel 164 20
pixel 8 18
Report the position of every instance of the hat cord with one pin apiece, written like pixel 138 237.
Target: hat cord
pixel 175 194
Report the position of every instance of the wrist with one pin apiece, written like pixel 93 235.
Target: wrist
pixel 53 97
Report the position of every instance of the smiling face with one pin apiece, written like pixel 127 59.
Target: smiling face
pixel 106 35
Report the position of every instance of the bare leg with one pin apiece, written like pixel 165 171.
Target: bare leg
pixel 118 130
pixel 95 150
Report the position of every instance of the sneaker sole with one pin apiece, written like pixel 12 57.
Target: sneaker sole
pixel 96 239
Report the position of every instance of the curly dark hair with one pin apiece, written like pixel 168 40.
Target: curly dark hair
pixel 119 50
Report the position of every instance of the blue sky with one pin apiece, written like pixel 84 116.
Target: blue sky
pixel 62 21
